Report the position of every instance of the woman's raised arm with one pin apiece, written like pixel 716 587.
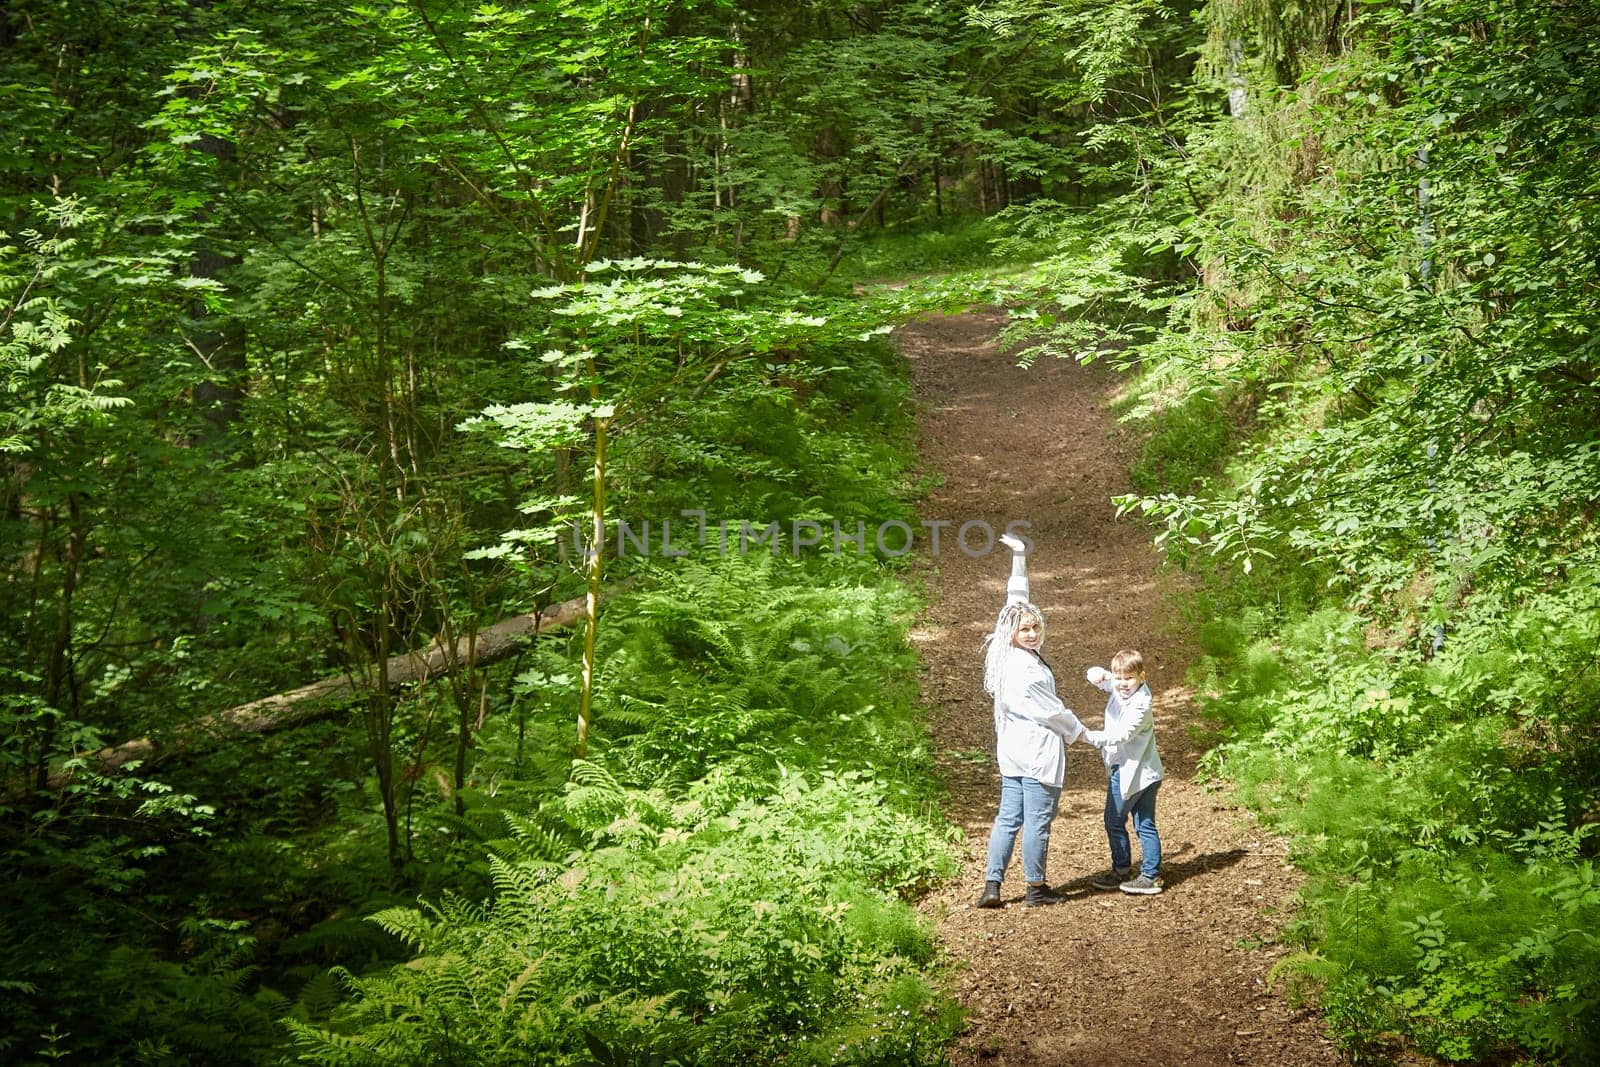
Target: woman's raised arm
pixel 1017 587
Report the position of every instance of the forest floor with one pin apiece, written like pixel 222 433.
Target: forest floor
pixel 1102 978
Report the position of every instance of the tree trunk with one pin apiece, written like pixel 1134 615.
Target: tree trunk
pixel 318 700
pixel 219 342
pixel 596 575
pixel 58 665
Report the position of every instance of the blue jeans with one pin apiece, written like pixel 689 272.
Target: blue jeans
pixel 1028 805
pixel 1143 807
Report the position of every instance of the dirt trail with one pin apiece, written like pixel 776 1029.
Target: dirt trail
pixel 1102 978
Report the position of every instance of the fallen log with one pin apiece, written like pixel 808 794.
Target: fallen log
pixel 316 701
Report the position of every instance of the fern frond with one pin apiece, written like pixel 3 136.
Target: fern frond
pixel 319 996
pixel 522 983
pixel 408 924
pixel 592 775
pixel 518 881
pixel 538 838
pixel 341 938
pixel 633 714
pixel 322 1046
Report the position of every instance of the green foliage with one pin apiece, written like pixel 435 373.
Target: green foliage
pixel 722 879
pixel 1472 956
pixel 1407 377
pixel 1398 561
pixel 906 249
pixel 37 326
pixel 1184 444
pixel 93 852
pixel 1441 807
pixel 264 261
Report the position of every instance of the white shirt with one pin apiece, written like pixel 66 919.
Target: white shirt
pixel 1129 739
pixel 1032 727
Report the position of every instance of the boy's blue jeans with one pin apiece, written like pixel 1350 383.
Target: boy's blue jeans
pixel 1143 808
pixel 1028 805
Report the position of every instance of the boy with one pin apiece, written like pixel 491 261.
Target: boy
pixel 1128 746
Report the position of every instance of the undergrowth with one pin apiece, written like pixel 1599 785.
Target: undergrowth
pixel 1443 809
pixel 1399 602
pixel 1439 784
pixel 725 875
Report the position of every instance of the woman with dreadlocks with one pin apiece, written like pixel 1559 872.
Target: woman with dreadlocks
pixel 1032 731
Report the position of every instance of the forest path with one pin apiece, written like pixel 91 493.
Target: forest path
pixel 1102 978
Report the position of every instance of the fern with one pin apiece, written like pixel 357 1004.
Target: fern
pixel 593 797
pixel 320 994
pixel 682 894
pixel 343 938
pixel 537 838
pixel 408 924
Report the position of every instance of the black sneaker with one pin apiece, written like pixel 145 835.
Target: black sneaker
pixel 1041 894
pixel 1111 879
pixel 990 898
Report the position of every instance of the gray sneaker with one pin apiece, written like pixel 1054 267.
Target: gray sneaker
pixel 1143 885
pixel 1111 879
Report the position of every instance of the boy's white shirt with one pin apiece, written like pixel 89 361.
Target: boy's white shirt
pixel 1032 727
pixel 1128 739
